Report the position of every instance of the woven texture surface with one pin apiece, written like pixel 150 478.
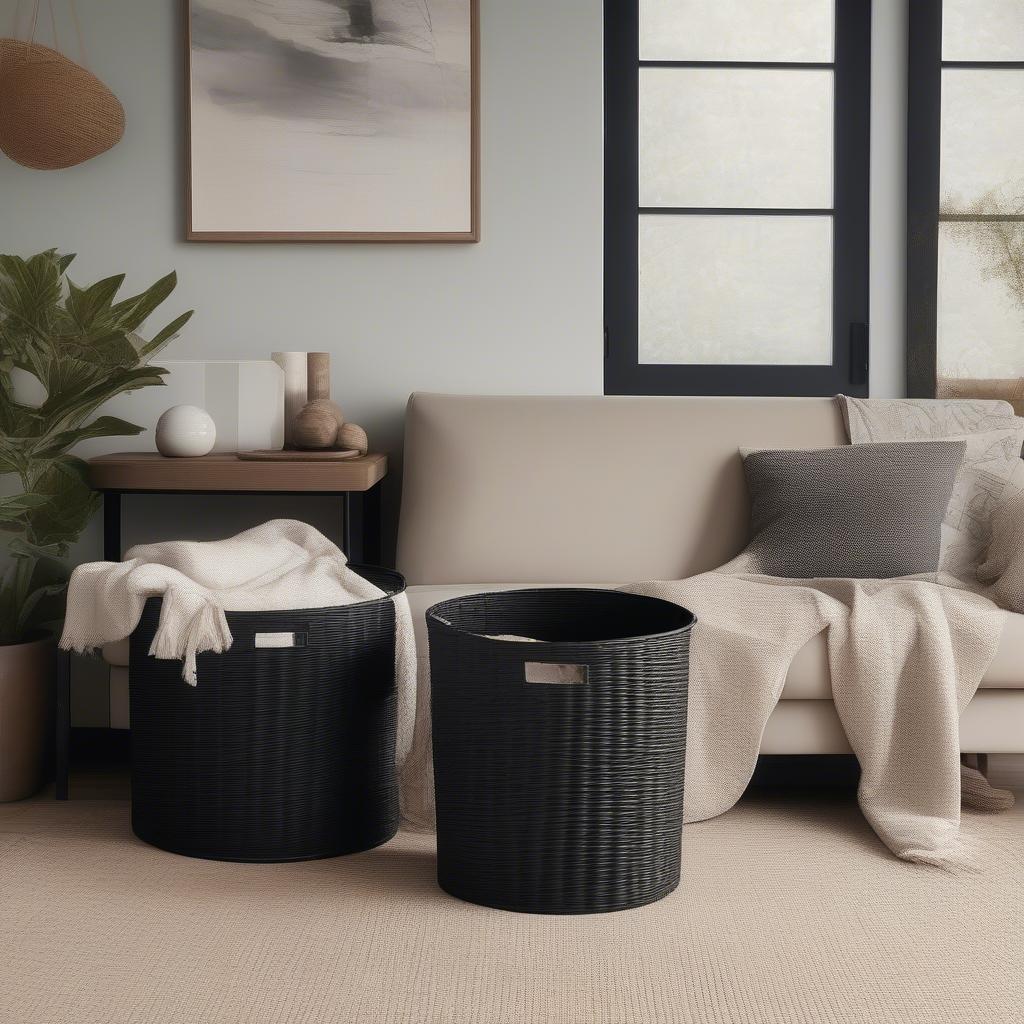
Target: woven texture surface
pixel 869 511
pixel 787 913
pixel 55 113
pixel 559 798
pixel 278 753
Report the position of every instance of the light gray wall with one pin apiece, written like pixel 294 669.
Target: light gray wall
pixel 519 312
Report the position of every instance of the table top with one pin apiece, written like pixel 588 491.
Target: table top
pixel 223 471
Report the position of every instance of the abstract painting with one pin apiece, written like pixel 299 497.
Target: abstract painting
pixel 347 120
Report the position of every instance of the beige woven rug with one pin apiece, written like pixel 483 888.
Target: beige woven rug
pixel 790 911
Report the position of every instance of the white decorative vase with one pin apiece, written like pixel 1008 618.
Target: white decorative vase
pixel 293 364
pixel 185 431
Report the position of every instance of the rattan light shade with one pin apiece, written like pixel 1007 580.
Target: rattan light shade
pixel 53 112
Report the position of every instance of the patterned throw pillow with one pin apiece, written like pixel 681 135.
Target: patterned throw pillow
pixel 990 473
pixel 1003 567
pixel 866 511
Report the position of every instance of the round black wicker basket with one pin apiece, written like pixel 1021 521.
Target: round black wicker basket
pixel 558 766
pixel 279 753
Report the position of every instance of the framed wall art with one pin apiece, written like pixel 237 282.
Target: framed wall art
pixel 332 120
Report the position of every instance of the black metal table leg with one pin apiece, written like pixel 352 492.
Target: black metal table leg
pixel 373 548
pixel 63 738
pixel 111 526
pixel 353 535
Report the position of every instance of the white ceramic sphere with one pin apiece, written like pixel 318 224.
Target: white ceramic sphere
pixel 185 431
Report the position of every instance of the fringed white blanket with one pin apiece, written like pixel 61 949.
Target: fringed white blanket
pixel 905 655
pixel 283 564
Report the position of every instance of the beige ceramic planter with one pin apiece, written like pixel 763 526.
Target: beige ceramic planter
pixel 26 686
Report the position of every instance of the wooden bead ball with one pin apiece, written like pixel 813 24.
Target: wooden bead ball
pixel 352 436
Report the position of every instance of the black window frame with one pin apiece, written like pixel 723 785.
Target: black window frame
pixel 924 137
pixel 623 373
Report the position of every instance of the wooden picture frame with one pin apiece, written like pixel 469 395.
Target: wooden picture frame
pixel 197 231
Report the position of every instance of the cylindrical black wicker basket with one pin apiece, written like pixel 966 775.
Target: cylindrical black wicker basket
pixel 279 753
pixel 562 795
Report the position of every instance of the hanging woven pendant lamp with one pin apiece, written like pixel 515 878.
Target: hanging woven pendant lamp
pixel 53 112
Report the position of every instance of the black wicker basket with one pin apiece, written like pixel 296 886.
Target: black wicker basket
pixel 559 790
pixel 280 753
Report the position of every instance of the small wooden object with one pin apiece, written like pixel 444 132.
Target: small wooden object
pixel 318 424
pixel 352 435
pixel 318 375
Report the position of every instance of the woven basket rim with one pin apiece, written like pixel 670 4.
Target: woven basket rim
pixel 398 577
pixel 433 614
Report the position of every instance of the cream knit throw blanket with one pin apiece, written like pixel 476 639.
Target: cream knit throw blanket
pixel 283 564
pixel 905 656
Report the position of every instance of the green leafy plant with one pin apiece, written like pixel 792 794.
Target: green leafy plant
pixel 82 347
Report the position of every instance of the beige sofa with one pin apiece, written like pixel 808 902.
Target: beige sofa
pixel 503 492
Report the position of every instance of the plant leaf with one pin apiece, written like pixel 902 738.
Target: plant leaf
pixel 133 312
pixel 85 305
pixel 12 509
pixel 71 404
pixel 104 426
pixel 13 458
pixel 167 335
pixel 36 610
pixel 20 548
pixel 72 503
pixel 30 291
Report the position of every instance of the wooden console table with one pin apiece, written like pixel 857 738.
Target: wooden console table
pixel 357 482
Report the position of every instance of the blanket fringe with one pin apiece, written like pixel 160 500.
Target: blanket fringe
pixel 207 631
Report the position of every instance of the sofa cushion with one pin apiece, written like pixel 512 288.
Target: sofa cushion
pixel 866 511
pixel 586 488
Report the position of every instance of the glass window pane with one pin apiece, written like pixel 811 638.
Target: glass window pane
pixel 735 289
pixel 982 30
pixel 770 30
pixel 982 148
pixel 980 316
pixel 735 137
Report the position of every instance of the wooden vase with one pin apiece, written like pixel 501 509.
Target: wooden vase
pixel 320 422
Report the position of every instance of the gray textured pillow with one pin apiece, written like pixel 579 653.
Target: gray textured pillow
pixel 867 511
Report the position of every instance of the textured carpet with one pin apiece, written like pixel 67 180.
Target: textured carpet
pixel 790 911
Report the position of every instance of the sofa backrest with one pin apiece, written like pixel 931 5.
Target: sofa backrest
pixel 586 489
